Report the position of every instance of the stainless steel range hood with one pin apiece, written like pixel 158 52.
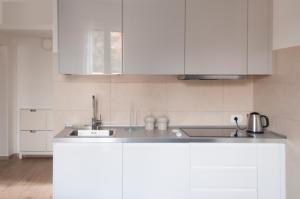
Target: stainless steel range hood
pixel 211 77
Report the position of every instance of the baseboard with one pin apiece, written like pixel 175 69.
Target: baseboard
pixel 4 157
pixel 12 156
pixel 37 156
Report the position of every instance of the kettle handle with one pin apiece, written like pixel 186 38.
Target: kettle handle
pixel 267 121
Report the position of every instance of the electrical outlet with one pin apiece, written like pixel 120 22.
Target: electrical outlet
pixel 240 119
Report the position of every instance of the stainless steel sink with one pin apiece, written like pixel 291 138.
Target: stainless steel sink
pixel 92 133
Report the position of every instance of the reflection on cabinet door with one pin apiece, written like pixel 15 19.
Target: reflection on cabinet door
pixel 154 36
pixel 216 37
pixel 90 38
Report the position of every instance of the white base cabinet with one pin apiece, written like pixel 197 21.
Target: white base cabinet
pixel 234 171
pixel 87 170
pixel 169 170
pixel 156 171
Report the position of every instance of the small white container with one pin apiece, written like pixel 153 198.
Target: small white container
pixel 149 123
pixel 162 123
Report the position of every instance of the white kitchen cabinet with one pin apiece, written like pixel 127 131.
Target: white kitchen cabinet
pixel 87 170
pixel 49 141
pixel 36 135
pixel 271 171
pixel 35 119
pixel 169 170
pixel 260 37
pixel 35 141
pixel 216 37
pixel 90 36
pixel 236 170
pixel 223 171
pixel 156 171
pixel 154 36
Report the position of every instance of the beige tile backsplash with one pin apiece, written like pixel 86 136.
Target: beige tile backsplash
pixel 127 100
pixel 279 97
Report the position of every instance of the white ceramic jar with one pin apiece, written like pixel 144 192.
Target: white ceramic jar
pixel 149 123
pixel 162 123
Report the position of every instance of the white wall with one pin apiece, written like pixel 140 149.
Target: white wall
pixel 35 68
pixel 286 25
pixel 3 101
pixel 278 96
pixel 29 84
pixel 30 13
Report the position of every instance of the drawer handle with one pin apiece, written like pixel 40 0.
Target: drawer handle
pixel 32 131
pixel 32 110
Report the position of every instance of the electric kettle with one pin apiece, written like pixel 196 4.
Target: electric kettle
pixel 257 123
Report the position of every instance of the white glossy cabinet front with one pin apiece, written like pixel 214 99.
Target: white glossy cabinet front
pixel 87 170
pixel 169 170
pixel 216 37
pixel 153 36
pixel 90 36
pixel 260 37
pixel 156 171
pixel 235 171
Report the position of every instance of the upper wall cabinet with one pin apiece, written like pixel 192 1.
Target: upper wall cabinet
pixel 165 37
pixel 90 37
pixel 153 36
pixel 259 37
pixel 216 37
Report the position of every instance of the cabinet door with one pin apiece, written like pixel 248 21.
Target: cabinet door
pixel 87 170
pixel 33 119
pixel 260 37
pixel 33 141
pixel 90 38
pixel 271 171
pixel 223 171
pixel 154 36
pixel 49 141
pixel 156 171
pixel 216 37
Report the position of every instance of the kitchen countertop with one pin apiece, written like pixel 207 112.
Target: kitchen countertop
pixel 140 135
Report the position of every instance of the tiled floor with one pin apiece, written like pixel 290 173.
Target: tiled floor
pixel 30 178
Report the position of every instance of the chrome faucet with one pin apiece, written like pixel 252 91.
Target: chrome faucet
pixel 96 123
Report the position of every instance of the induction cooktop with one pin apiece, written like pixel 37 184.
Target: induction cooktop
pixel 215 132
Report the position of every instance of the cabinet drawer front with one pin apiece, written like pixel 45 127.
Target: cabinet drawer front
pixel 32 119
pixel 224 194
pixel 33 141
pixel 224 178
pixel 49 140
pixel 227 155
